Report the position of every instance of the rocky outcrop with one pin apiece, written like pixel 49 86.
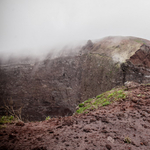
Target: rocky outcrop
pixel 141 57
pixel 54 87
pixel 137 67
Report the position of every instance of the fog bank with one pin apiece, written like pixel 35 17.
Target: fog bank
pixel 35 27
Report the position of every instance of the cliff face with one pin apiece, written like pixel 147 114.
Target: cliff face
pixel 54 87
pixel 137 67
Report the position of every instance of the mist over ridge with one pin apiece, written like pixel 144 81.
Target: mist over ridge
pixel 118 47
pixel 36 27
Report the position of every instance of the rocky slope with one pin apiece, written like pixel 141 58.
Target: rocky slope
pixel 123 125
pixel 54 87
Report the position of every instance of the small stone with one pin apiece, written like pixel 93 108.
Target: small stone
pixel 12 136
pixel 108 147
pixel 131 84
pixel 92 120
pixel 110 139
pixel 104 119
pixel 104 131
pixel 145 143
pixel 86 129
pixel 67 144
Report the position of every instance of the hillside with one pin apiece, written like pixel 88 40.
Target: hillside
pixel 55 86
pixel 122 125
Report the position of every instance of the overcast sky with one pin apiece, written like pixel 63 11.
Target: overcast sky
pixel 36 25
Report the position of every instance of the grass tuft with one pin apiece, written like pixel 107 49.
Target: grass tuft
pixel 127 140
pixel 48 118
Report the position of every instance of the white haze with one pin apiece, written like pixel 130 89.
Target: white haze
pixel 39 26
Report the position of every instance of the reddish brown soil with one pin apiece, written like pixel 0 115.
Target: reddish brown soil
pixel 107 128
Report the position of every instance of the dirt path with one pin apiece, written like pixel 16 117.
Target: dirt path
pixel 124 125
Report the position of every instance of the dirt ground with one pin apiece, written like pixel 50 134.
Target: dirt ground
pixel 123 125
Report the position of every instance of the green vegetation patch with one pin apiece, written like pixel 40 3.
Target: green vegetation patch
pixel 139 41
pixel 81 105
pixel 88 101
pixel 48 118
pixel 103 99
pixel 127 140
pixel 6 119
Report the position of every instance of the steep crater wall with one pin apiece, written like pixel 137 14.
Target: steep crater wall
pixel 54 87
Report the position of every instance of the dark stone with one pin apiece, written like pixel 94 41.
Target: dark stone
pixel 20 123
pixel 108 147
pixel 104 119
pixel 87 130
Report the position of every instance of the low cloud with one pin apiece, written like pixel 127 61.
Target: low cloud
pixel 38 27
